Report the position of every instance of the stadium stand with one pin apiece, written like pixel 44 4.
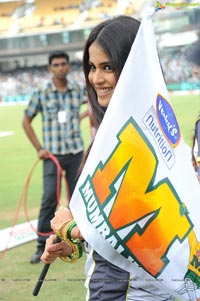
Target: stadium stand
pixel 8 8
pixel 6 12
pixel 41 16
pixel 49 15
pixel 40 26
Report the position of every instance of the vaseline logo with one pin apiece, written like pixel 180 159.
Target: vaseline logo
pixel 167 121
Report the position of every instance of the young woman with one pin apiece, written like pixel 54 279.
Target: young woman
pixel 105 54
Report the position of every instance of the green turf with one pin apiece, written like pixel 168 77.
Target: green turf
pixel 17 276
pixel 17 159
pixel 187 108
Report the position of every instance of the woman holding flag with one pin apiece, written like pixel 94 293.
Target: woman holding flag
pixel 105 54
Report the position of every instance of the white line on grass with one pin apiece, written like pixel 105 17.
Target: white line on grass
pixel 4 134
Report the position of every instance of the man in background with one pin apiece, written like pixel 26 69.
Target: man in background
pixel 59 104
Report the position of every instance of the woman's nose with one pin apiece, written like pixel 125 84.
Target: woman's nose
pixel 97 77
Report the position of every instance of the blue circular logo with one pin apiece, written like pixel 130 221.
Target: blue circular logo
pixel 167 121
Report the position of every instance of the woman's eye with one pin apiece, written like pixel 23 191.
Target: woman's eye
pixel 108 67
pixel 91 67
pixel 105 67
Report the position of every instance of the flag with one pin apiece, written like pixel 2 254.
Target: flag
pixel 137 201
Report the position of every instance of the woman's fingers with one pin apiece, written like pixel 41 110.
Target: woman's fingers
pixel 52 250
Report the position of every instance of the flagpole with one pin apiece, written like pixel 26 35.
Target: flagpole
pixel 43 274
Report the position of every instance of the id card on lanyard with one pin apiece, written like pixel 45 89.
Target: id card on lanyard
pixel 62 116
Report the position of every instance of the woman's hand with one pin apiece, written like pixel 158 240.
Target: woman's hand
pixel 62 215
pixel 52 251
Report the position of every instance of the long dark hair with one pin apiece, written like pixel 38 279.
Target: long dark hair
pixel 115 36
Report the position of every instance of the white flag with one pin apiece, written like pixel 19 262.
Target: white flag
pixel 138 197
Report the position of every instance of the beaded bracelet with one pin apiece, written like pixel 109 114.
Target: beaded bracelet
pixel 75 255
pixel 77 250
pixel 60 232
pixel 66 229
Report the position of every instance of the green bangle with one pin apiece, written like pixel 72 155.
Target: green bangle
pixel 69 231
pixel 80 249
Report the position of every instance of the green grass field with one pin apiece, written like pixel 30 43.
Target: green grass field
pixel 17 276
